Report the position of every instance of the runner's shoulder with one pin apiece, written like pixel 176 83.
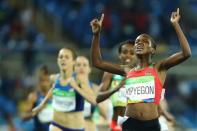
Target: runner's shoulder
pixel 159 66
pixel 32 96
pixel 53 77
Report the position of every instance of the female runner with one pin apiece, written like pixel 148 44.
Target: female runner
pixel 110 84
pixel 44 117
pixel 82 67
pixel 68 93
pixel 144 83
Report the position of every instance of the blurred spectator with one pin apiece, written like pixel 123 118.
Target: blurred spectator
pixel 29 58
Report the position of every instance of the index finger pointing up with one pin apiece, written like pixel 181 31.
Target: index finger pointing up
pixel 101 20
pixel 177 11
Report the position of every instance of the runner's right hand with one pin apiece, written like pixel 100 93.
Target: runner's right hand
pixel 36 110
pixel 97 25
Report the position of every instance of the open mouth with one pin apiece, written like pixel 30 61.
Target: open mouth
pixel 127 61
pixel 81 71
pixel 140 47
pixel 63 64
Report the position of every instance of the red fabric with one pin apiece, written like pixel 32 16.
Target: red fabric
pixel 149 71
pixel 114 126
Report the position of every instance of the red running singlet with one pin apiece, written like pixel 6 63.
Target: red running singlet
pixel 143 86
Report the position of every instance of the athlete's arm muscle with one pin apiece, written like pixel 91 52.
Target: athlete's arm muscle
pixel 32 97
pixel 185 53
pixel 95 51
pixel 104 91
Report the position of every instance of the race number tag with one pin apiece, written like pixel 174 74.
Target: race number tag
pixel 140 88
pixel 64 101
pixel 122 95
pixel 87 109
pixel 46 114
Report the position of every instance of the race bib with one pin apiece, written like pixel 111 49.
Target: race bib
pixel 116 81
pixel 87 109
pixel 119 97
pixel 64 101
pixel 140 88
pixel 46 114
pixel 122 95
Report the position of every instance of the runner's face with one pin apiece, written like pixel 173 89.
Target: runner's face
pixel 82 66
pixel 44 82
pixel 65 59
pixel 127 54
pixel 142 45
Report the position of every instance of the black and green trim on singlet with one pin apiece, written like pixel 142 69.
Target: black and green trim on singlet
pixel 115 98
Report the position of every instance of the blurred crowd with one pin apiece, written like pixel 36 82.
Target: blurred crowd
pixel 123 19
